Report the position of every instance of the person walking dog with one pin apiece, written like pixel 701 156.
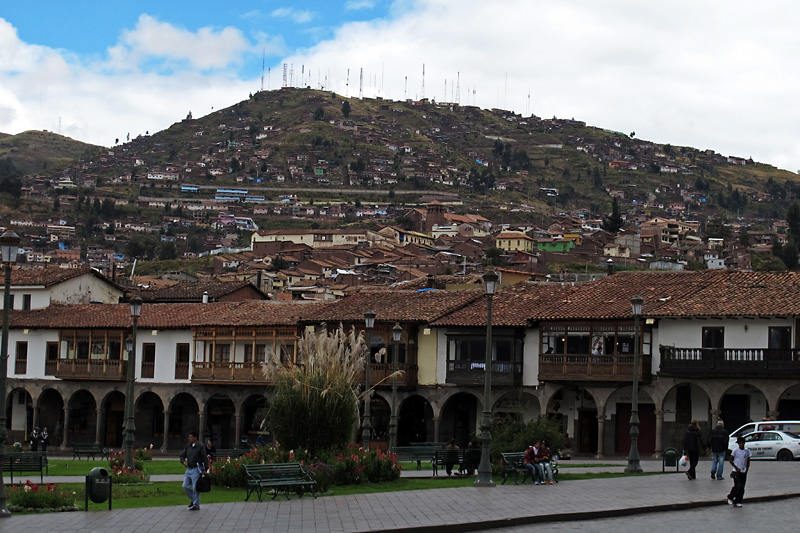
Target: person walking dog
pixel 193 457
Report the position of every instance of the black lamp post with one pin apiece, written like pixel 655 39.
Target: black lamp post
pixel 485 467
pixel 9 243
pixel 366 426
pixel 633 456
pixel 397 332
pixel 130 345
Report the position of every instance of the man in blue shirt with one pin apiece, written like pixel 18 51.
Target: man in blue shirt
pixel 740 461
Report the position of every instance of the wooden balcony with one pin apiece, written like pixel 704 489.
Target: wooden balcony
pixel 471 373
pixel 730 362
pixel 380 372
pixel 592 368
pixel 114 370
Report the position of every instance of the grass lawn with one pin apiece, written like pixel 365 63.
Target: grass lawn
pixel 64 467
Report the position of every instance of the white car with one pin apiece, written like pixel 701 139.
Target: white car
pixel 780 445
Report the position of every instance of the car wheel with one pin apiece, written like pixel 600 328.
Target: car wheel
pixel 785 455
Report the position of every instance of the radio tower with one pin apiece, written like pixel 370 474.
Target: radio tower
pixel 263 61
pixel 291 75
pixel 285 67
pixel 458 88
pixel 347 85
pixel 422 96
pixel 361 84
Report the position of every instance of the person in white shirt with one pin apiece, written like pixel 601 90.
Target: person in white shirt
pixel 740 461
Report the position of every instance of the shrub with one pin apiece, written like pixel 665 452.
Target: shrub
pixel 117 460
pixel 128 476
pixel 512 434
pixel 31 497
pixel 143 454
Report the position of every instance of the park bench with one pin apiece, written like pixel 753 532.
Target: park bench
pixel 234 453
pixel 416 453
pixel 20 462
pixel 89 451
pixel 465 459
pixel 513 463
pixel 279 477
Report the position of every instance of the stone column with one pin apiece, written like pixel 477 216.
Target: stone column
pixel 601 435
pixel 436 421
pixel 239 433
pixel 64 431
pixel 714 417
pixel 202 429
pixel 773 415
pixel 99 426
pixel 36 417
pixel 659 433
pixel 166 431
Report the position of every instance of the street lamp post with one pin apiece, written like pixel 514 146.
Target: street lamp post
pixel 485 467
pixel 397 332
pixel 633 456
pixel 366 426
pixel 130 344
pixel 9 243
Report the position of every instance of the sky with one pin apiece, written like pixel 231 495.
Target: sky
pixel 711 74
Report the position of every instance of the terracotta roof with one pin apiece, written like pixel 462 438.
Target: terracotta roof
pixel 395 306
pixel 193 290
pixel 49 276
pixel 249 313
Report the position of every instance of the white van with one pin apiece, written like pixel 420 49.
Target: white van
pixel 763 425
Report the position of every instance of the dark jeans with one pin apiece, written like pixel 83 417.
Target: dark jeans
pixel 693 458
pixel 737 492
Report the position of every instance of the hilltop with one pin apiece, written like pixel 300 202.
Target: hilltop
pixel 33 152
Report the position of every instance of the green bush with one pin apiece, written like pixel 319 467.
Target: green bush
pixel 512 434
pixel 31 497
pixel 143 454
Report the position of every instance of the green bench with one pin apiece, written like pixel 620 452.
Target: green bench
pixel 279 477
pixel 513 463
pixel 20 462
pixel 462 458
pixel 90 451
pixel 415 453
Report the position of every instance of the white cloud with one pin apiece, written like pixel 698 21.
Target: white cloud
pixel 298 16
pixel 353 5
pixel 207 48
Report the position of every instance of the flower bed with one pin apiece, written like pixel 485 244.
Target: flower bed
pixel 350 466
pixel 128 476
pixel 39 498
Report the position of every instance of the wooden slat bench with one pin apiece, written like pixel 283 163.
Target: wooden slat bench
pixel 513 463
pixel 90 451
pixel 415 453
pixel 280 477
pixel 20 462
pixel 462 458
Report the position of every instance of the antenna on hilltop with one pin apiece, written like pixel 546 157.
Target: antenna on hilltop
pixel 422 95
pixel 528 109
pixel 285 67
pixel 263 63
pixel 291 75
pixel 361 84
pixel 405 90
pixel 347 85
pixel 458 87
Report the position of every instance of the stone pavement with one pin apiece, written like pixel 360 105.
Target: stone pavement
pixel 440 510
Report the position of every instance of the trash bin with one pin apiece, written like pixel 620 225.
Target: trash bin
pixel 670 459
pixel 98 486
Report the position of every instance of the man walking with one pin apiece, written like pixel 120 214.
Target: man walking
pixel 740 460
pixel 691 448
pixel 193 457
pixel 718 442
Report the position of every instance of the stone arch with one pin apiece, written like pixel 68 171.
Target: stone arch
pixel 220 421
pixel 149 420
pixel 618 420
pixel 184 416
pixel 19 415
pixel 380 414
pixel 112 419
pixel 681 403
pixel 788 405
pixel 51 414
pixel 742 403
pixel 576 409
pixel 415 421
pixel 459 418
pixel 254 416
pixel 81 419
pixel 518 401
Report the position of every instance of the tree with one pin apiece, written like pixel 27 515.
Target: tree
pixel 345 108
pixel 319 114
pixel 315 402
pixel 614 222
pixel 793 221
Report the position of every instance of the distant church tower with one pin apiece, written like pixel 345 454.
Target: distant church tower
pixel 435 216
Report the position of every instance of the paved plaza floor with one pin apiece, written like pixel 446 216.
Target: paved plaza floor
pixel 442 510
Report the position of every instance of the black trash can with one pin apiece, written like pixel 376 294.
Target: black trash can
pixel 98 487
